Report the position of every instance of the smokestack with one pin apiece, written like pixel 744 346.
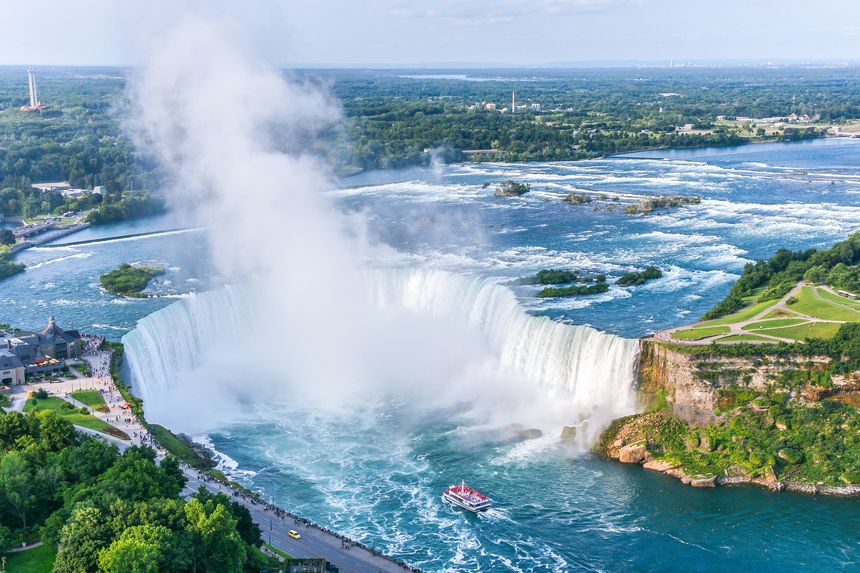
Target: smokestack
pixel 513 102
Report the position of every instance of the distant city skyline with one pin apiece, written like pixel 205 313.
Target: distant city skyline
pixel 448 33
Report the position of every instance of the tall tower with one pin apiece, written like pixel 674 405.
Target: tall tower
pixel 513 102
pixel 31 82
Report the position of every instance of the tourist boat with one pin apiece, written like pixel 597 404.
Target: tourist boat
pixel 467 498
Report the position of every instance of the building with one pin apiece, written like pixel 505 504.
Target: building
pixel 41 351
pixel 535 107
pixel 75 193
pixel 55 186
pixel 100 190
pixel 11 370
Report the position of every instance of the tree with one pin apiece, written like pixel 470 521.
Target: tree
pixel 248 530
pixel 83 536
pixel 55 433
pixel 218 548
pixel 7 237
pixel 18 486
pixel 144 549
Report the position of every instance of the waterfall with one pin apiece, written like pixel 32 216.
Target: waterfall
pixel 592 371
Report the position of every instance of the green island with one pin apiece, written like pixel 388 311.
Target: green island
pixel 764 390
pixel 129 280
pixel 593 284
pixel 555 277
pixel 635 278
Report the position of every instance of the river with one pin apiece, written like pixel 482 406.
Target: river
pixel 376 473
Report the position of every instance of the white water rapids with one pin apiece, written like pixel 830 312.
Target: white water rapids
pixel 577 372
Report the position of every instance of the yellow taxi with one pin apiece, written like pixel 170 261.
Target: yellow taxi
pixel 294 534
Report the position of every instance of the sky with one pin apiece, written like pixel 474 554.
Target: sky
pixel 434 33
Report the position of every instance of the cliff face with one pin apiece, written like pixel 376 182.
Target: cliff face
pixel 712 421
pixel 696 386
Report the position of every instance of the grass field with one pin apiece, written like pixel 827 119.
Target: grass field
pixel 779 313
pixel 73 415
pixel 808 303
pixel 92 398
pixel 777 323
pixel 851 303
pixel 697 333
pixel 744 338
pixel 37 560
pixel 739 316
pixel 803 332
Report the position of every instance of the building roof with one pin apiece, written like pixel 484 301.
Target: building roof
pixel 53 334
pixel 8 361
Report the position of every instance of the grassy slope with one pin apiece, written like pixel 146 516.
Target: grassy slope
pixel 697 333
pixel 741 315
pixel 745 338
pixel 839 299
pixel 808 303
pixel 777 323
pixel 823 330
pixel 37 560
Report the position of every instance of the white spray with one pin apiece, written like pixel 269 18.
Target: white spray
pixel 316 324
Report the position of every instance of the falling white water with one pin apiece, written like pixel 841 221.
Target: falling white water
pixel 569 374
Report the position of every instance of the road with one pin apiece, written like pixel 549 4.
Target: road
pixel 314 542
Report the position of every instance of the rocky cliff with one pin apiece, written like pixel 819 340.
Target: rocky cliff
pixel 697 387
pixel 783 422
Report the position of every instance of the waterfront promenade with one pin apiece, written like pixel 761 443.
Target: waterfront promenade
pixel 275 523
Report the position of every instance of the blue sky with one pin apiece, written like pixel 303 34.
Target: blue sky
pixel 423 32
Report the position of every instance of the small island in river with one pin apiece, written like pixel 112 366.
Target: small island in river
pixel 129 280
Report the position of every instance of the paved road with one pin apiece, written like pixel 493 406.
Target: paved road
pixel 314 543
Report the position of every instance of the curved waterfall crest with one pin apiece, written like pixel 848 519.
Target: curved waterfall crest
pixel 588 368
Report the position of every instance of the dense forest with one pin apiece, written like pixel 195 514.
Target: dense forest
pixel 109 511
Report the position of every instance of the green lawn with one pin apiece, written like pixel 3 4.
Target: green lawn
pixel 92 398
pixel 812 330
pixel 37 560
pixel 849 302
pixel 741 315
pixel 73 415
pixel 697 333
pixel 779 313
pixel 779 323
pixel 745 338
pixel 808 303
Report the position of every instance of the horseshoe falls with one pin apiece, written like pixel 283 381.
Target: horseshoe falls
pixel 583 375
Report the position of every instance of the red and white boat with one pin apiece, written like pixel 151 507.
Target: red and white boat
pixel 467 498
